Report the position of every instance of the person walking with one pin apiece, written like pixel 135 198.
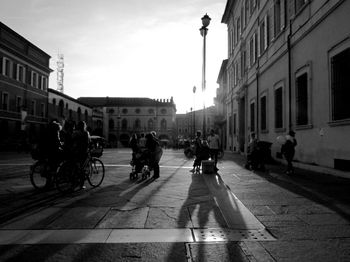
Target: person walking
pixel 200 152
pixel 81 143
pixel 214 146
pixel 288 151
pixel 154 153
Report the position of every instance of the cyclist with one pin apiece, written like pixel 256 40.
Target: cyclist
pixel 80 147
pixel 51 146
pixel 66 136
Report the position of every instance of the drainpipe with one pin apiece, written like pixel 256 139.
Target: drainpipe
pixel 257 101
pixel 290 74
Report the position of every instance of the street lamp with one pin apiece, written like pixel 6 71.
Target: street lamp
pixel 194 110
pixel 204 30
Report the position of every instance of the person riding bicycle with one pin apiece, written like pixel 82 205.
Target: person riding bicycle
pixel 80 146
pixel 52 146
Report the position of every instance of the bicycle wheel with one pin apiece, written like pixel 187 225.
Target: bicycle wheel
pixel 39 175
pixel 96 173
pixel 66 177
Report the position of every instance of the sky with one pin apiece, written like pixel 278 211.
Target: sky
pixel 126 48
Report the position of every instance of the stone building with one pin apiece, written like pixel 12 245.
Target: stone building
pixel 123 117
pixel 288 69
pixel 63 107
pixel 24 78
pixel 187 124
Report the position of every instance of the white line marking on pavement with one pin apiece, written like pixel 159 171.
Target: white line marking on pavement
pixel 133 235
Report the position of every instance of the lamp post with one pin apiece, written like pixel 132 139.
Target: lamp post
pixel 204 30
pixel 194 110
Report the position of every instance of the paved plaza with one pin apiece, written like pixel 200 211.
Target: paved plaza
pixel 235 215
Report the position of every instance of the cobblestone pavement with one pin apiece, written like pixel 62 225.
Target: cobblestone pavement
pixel 236 215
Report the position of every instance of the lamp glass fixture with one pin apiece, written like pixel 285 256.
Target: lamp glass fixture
pixel 206 20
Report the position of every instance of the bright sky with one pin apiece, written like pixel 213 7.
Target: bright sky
pixel 126 48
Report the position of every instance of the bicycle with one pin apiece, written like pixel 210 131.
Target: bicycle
pixel 71 173
pixel 41 174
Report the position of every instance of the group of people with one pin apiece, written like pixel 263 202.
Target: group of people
pixel 70 142
pixel 146 147
pixel 255 154
pixel 203 149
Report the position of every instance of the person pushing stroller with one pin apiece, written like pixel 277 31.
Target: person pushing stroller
pixel 145 158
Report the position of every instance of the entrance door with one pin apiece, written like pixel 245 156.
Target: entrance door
pixel 241 126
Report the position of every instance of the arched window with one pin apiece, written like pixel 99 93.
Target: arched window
pixel 124 124
pixel 79 113
pixel 163 124
pixel 111 124
pixel 150 124
pixel 137 124
pixel 61 108
pixel 54 101
pixel 86 116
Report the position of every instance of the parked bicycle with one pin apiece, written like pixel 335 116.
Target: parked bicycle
pixel 71 173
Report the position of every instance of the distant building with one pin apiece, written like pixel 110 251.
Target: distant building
pixel 187 124
pixel 65 108
pixel 288 69
pixel 123 117
pixel 24 78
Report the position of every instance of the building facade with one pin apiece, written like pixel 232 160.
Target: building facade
pixel 187 124
pixel 288 64
pixel 63 108
pixel 24 78
pixel 123 117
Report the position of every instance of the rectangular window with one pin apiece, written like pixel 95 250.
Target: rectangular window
pixel 40 83
pixel 5 101
pixel 263 113
pixel 243 62
pixel 278 108
pixel 20 76
pixel 251 52
pixel 33 107
pixel 277 17
pixel 34 79
pixel 263 35
pixel 302 100
pixel 18 104
pixel 340 83
pixel 230 125
pixel 252 117
pixel 42 108
pixel 247 13
pixel 252 6
pixel 234 123
pixel 6 67
pixel 44 83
